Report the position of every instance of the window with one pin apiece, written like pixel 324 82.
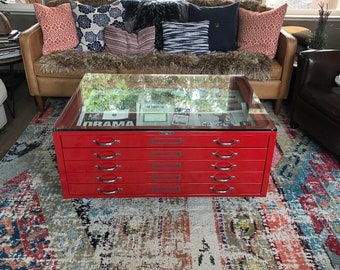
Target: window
pixel 296 8
pixel 306 7
pixel 18 5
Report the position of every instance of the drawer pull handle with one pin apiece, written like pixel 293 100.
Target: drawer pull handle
pixel 225 143
pixel 224 156
pixel 224 168
pixel 110 143
pixel 223 191
pixel 108 169
pixel 108 181
pixel 222 180
pixel 103 157
pixel 109 192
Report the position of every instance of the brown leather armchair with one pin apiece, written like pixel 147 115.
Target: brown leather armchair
pixel 316 97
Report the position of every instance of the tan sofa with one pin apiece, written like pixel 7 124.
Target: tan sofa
pixel 46 84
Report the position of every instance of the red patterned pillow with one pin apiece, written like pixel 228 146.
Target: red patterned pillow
pixel 259 32
pixel 118 41
pixel 58 27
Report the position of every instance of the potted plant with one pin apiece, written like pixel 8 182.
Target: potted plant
pixel 319 37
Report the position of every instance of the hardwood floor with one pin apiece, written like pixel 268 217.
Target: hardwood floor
pixel 25 110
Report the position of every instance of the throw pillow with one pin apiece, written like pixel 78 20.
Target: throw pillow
pixel 90 22
pixel 57 26
pixel 259 32
pixel 120 42
pixel 153 13
pixel 223 25
pixel 186 37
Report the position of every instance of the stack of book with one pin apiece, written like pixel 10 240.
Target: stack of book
pixel 9 45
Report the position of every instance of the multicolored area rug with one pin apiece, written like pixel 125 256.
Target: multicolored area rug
pixel 297 226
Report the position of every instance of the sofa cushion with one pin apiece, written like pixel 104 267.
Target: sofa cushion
pixel 119 41
pixel 186 37
pixel 259 32
pixel 90 22
pixel 58 27
pixel 223 25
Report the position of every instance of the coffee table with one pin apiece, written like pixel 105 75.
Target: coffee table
pixel 132 135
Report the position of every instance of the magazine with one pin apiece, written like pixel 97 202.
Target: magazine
pixel 107 119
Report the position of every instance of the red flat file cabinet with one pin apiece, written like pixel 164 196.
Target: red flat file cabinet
pixel 153 155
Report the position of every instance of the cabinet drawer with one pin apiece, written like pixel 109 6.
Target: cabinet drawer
pixel 159 177
pixel 168 166
pixel 154 190
pixel 163 154
pixel 164 139
pixel 111 190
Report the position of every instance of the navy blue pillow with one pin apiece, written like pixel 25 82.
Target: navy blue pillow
pixel 223 25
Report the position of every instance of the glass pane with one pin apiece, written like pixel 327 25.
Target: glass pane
pixel 304 4
pixel 168 101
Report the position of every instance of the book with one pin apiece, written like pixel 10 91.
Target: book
pixel 9 49
pixel 9 45
pixel 10 54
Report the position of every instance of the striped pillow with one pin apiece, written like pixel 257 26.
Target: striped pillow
pixel 186 37
pixel 120 42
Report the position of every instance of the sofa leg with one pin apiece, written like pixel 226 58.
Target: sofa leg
pixel 42 106
pixel 277 106
pixel 40 103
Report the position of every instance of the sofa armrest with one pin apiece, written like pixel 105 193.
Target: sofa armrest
pixel 285 55
pixel 31 42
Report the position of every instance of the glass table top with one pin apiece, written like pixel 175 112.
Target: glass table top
pixel 163 101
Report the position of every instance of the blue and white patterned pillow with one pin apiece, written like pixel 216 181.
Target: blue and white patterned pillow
pixel 186 37
pixel 90 23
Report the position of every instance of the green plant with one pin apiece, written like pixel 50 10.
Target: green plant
pixel 319 37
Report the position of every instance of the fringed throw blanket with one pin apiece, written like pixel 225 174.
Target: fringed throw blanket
pixel 254 66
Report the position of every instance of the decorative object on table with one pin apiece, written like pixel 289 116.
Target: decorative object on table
pixel 319 37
